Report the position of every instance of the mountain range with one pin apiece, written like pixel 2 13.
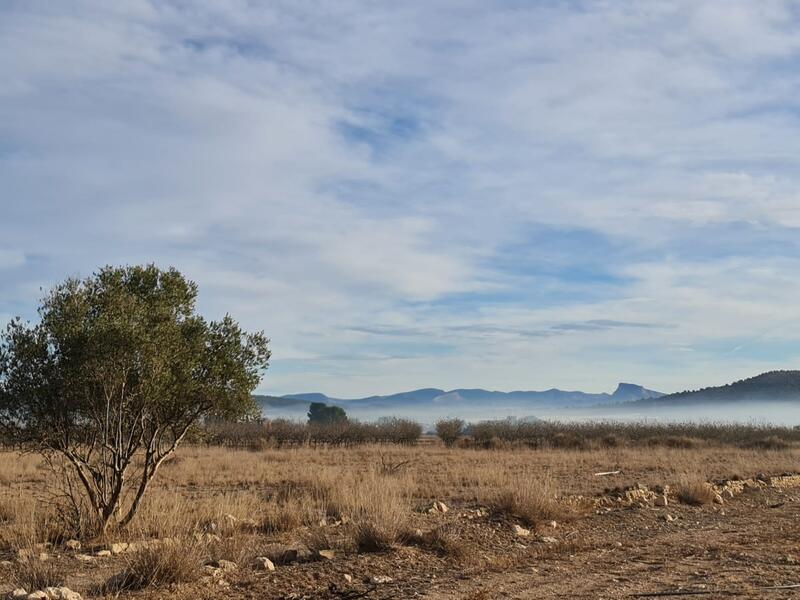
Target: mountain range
pixel 460 402
pixel 773 386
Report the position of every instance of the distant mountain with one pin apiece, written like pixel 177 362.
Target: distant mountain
pixel 771 386
pixel 459 402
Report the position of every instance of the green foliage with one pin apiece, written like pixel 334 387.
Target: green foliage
pixel 320 413
pixel 120 364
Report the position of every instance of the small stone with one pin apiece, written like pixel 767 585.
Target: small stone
pixel 19 593
pixel 118 548
pixel 348 578
pixel 669 518
pixel 548 540
pixel 379 579
pixel 552 524
pixel 521 531
pixel 327 554
pixel 718 499
pixel 84 557
pixel 727 494
pixel 72 545
pixel 37 596
pixel 103 553
pixel 618 544
pixel 262 563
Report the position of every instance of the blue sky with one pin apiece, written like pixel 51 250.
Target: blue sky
pixel 510 195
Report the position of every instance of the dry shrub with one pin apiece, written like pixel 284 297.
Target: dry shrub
pixel 695 492
pixel 772 442
pixel 377 507
pixel 159 565
pixel 530 500
pixel 34 574
pixel 442 540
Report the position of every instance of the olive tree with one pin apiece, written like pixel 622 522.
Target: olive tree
pixel 117 369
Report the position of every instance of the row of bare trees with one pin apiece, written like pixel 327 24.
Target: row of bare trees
pixel 281 433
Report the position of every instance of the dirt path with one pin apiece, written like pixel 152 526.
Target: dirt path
pixel 735 551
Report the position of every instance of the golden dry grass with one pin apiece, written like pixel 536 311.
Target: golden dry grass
pixel 240 492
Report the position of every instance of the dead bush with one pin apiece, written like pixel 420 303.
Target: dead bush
pixel 377 507
pixel 772 442
pixel 159 565
pixel 34 574
pixel 695 493
pixel 528 499
pixel 442 540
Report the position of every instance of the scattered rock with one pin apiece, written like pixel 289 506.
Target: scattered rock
pixel 37 596
pixel 61 593
pixel 438 507
pixel 72 545
pixel 552 524
pixel 521 531
pixel 718 499
pixel 281 554
pixel 327 554
pixel 103 553
pixel 18 593
pixel 226 566
pixel 379 579
pixel 262 563
pixel 547 539
pixel 84 557
pixel 348 578
pixel 119 548
pixel 727 494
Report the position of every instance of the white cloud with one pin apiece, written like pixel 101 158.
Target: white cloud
pixel 320 169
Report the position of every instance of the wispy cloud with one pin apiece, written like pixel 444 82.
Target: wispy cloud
pixel 497 194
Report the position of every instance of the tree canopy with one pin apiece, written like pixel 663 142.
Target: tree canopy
pixel 120 365
pixel 322 414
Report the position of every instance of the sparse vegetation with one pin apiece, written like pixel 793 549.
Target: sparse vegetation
pixel 449 431
pixel 33 574
pixel 695 492
pixel 159 565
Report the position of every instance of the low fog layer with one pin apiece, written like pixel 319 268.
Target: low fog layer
pixel 777 413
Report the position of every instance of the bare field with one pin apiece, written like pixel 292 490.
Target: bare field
pixel 362 522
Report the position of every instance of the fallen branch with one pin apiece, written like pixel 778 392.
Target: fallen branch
pixel 604 473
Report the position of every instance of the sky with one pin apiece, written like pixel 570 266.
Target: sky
pixel 429 193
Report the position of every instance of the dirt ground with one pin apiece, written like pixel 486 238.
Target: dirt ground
pixel 747 547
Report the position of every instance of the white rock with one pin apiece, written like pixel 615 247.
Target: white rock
pixel 72 545
pixel 19 593
pixel 37 596
pixel 119 548
pixel 328 554
pixel 264 564
pixel 348 578
pixel 521 531
pixel 718 499
pixel 378 579
pixel 103 553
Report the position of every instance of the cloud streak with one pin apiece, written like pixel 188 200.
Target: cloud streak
pixel 493 194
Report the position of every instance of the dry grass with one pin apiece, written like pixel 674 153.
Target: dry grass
pixel 253 498
pixel 531 500
pixel 442 540
pixel 695 492
pixel 35 574
pixel 159 565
